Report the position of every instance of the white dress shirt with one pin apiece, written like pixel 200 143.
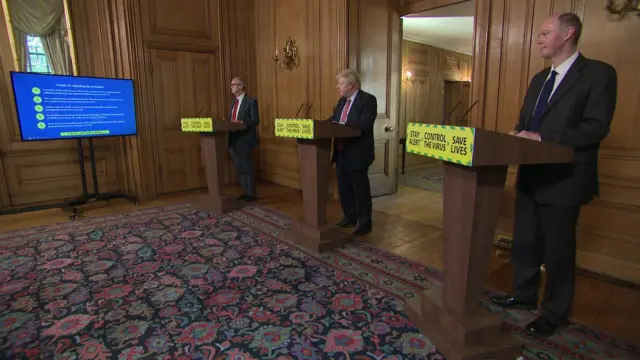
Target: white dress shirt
pixel 561 71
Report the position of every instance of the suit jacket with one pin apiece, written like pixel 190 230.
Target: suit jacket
pixel 244 141
pixel 579 116
pixel 358 153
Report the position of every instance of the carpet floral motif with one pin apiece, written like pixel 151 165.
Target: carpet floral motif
pixel 175 283
pixel 406 279
pixel 182 284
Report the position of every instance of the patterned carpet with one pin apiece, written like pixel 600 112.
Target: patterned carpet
pixel 175 283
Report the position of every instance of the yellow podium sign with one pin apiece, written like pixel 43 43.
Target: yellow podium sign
pixel 197 124
pixel 294 128
pixel 443 142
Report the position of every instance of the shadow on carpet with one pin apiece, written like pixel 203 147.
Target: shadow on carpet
pixel 175 283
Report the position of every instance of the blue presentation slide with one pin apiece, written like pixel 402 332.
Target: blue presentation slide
pixel 67 107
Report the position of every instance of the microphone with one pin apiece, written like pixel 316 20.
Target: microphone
pixel 444 120
pixel 299 110
pixel 471 107
pixel 306 116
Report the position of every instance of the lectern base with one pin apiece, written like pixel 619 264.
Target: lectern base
pixel 478 338
pixel 317 239
pixel 220 205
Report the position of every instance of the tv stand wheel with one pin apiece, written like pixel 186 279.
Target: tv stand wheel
pixel 137 203
pixel 72 216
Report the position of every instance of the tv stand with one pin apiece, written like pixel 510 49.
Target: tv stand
pixel 87 198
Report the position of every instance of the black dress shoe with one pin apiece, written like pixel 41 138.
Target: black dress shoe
pixel 542 327
pixel 362 230
pixel 511 302
pixel 247 198
pixel 346 223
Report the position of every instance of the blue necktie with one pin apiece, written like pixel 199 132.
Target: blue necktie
pixel 543 102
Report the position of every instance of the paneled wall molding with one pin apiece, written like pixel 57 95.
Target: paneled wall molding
pixel 320 28
pixel 198 46
pixel 216 38
pixel 137 155
pixel 45 171
pixel 611 152
pixel 608 230
pixel 600 233
pixel 239 49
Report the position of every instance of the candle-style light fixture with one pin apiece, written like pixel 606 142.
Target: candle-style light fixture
pixel 290 58
pixel 622 8
pixel 407 77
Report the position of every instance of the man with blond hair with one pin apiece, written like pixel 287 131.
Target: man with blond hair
pixel 570 103
pixel 354 156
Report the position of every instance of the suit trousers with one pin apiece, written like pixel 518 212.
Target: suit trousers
pixel 355 192
pixel 545 234
pixel 244 166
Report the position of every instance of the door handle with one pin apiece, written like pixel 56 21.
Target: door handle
pixel 388 128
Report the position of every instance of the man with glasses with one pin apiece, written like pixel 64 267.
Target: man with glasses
pixel 244 109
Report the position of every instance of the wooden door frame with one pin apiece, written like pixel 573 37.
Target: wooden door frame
pixel 482 18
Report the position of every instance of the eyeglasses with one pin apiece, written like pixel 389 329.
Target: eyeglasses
pixel 235 84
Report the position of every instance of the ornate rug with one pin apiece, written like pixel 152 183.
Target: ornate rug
pixel 176 283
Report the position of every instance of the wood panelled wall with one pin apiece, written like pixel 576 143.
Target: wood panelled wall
pixel 320 29
pixel 181 58
pixel 609 234
pixel 328 42
pixel 422 95
pixel 46 170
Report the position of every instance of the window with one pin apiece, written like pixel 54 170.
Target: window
pixel 36 57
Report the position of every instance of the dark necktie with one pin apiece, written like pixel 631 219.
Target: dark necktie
pixel 543 102
pixel 234 113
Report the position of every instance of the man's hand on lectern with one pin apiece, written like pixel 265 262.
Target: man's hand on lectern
pixel 529 135
pixel 513 132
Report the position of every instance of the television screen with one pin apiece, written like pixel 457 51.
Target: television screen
pixel 53 107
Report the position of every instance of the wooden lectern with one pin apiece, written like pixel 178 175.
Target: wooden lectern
pixel 475 170
pixel 213 134
pixel 314 150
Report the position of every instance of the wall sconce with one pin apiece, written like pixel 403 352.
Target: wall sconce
pixel 627 6
pixel 407 77
pixel 290 55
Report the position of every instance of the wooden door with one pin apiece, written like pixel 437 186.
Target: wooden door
pixel 379 38
pixel 184 85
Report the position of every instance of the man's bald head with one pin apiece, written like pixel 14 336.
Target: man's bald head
pixel 559 34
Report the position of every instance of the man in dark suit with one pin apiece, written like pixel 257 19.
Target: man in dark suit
pixel 572 104
pixel 353 156
pixel 244 109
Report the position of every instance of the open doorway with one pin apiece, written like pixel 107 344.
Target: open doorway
pixel 437 62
